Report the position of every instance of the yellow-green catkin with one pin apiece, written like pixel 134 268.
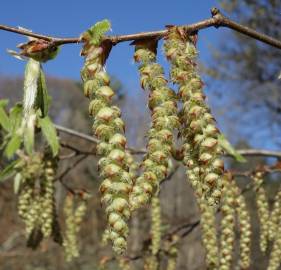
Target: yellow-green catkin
pixel 244 223
pixel 227 235
pixel 73 219
pixel 172 252
pixel 263 209
pixel 155 225
pixel 31 169
pixel 48 193
pixel 202 152
pixel 275 256
pixel 209 234
pixel 152 262
pixel 123 263
pixel 108 127
pixel 275 214
pixel 163 107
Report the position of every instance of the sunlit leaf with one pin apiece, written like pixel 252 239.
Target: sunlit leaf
pixel 42 99
pixel 29 134
pixel 12 146
pixel 4 118
pixel 17 182
pixel 225 144
pixel 8 171
pixel 50 134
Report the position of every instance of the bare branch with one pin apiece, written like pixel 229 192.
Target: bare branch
pixel 217 20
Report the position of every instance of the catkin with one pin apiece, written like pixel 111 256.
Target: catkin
pixel 155 225
pixel 48 200
pixel 172 252
pixel 274 217
pixel 275 256
pixel 227 235
pixel 163 107
pixel 201 148
pixel 263 209
pixel 73 219
pixel 109 128
pixel 244 223
pixel 209 234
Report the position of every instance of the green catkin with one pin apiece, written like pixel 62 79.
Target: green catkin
pixel 199 130
pixel 48 200
pixel 274 217
pixel 172 253
pixel 163 107
pixel 31 169
pixel 244 222
pixel 227 235
pixel 123 263
pixel 108 127
pixel 155 225
pixel 209 234
pixel 275 255
pixel 263 209
pixel 73 220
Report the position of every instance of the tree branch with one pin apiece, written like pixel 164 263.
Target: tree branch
pixel 217 20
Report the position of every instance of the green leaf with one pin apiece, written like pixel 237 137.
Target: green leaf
pixel 8 171
pixel 4 120
pixel 30 86
pixel 97 31
pixel 17 182
pixel 29 133
pixel 225 144
pixel 12 146
pixel 42 99
pixel 15 117
pixel 50 133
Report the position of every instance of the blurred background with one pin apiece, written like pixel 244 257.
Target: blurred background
pixel 242 88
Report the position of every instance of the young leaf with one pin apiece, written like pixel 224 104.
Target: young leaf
pixel 30 85
pixel 28 135
pixel 12 146
pixel 8 171
pixel 97 31
pixel 42 99
pixel 4 119
pixel 49 133
pixel 17 182
pixel 225 144
pixel 15 117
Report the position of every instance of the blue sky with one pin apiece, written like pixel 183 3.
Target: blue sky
pixel 70 18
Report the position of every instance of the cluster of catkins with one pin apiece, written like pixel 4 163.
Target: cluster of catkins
pixel 108 127
pixel 201 148
pixel 73 218
pixel 163 107
pixel 36 204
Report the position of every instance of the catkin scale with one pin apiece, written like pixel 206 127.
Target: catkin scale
pixel 201 147
pixel 163 107
pixel 109 128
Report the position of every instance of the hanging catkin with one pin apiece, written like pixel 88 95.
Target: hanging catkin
pixel 263 208
pixel 227 235
pixel 275 214
pixel 201 149
pixel 163 107
pixel 109 128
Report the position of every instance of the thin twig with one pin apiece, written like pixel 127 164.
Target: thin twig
pixel 217 20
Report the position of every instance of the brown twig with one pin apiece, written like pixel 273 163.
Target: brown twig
pixel 217 20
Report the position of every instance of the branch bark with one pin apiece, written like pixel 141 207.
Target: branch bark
pixel 217 20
